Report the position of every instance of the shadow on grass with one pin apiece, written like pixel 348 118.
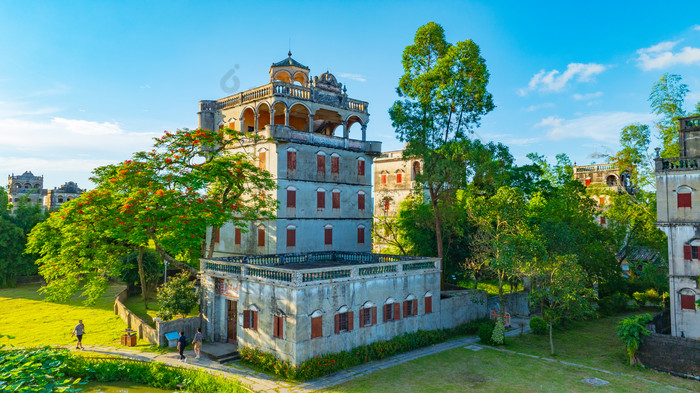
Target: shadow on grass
pixel 32 292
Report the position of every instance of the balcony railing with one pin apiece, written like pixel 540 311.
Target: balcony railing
pixel 677 164
pixel 288 269
pixel 280 89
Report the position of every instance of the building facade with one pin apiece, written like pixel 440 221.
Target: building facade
pixel 678 215
pixel 26 184
pixel 323 175
pixel 604 177
pixel 56 197
pixel 394 180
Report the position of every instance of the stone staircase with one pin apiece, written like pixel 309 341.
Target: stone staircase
pixel 221 352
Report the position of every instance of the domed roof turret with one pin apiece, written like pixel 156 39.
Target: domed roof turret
pixel 327 81
pixel 289 62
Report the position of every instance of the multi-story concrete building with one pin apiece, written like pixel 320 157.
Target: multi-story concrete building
pixel 394 180
pixel 604 177
pixel 56 197
pixel 678 214
pixel 305 283
pixel 27 185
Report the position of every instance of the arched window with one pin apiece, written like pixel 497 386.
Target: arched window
pixel 684 196
pixel 399 175
pixel 316 324
pixel 415 169
pixel 291 235
pixel 280 316
pixel 392 310
pixel 343 320
pixel 361 200
pixel 410 306
pixel 360 234
pixel 335 200
pixel 321 163
pixel 250 318
pixel 320 198
pixel 687 298
pixel 428 302
pixel 291 197
pixel 261 236
pixel 328 235
pixel 360 166
pixel 335 164
pixel 368 315
pixel 262 159
pixel 291 159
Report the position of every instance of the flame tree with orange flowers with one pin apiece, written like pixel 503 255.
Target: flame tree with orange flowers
pixel 165 198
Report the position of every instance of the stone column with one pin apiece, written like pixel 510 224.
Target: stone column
pixel 241 125
pixel 311 122
pixel 257 116
pixel 346 131
pixel 286 117
pixel 364 133
pixel 272 116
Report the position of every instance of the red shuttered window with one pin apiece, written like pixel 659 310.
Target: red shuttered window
pixel 320 200
pixel 684 200
pixel 428 304
pixel 217 235
pixel 316 327
pixel 386 204
pixel 344 322
pixel 360 201
pixel 291 198
pixel 291 160
pixel 383 178
pixel 336 200
pixel 261 237
pixel 320 163
pixel 398 178
pixel 250 319
pixel 360 167
pixel 279 327
pixel 328 236
pixel 686 252
pixel 360 235
pixel 588 182
pixel 262 160
pixel 688 302
pixel 237 237
pixel 291 237
pixel 335 165
pixel 602 220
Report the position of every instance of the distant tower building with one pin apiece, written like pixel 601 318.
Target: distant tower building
pixel 678 215
pixel 608 176
pixel 56 197
pixel 25 184
pixel 394 179
pixel 323 175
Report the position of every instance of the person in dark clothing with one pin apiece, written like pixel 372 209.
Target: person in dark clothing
pixel 181 344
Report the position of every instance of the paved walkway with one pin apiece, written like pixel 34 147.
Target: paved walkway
pixel 261 382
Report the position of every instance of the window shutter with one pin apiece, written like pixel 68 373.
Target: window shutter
pixel 246 319
pixel 351 321
pixel 361 201
pixel 360 235
pixel 684 200
pixel 261 237
pixel 337 323
pixel 291 160
pixel 328 236
pixel 217 235
pixel 238 236
pixel 386 311
pixel 291 198
pixel 601 201
pixel 588 182
pixel 406 306
pixel 688 302
pixel 255 320
pixel 428 304
pixel 291 237
pixel 374 315
pixel 383 178
pixel 280 329
pixel 320 163
pixel 415 307
pixel 316 327
pixel 397 311
pixel 602 220
pixel 262 156
pixel 386 204
pixel 362 319
pixel 320 200
pixel 276 327
pixel 336 200
pixel 686 252
pixel 335 164
pixel 360 167
pixel 398 177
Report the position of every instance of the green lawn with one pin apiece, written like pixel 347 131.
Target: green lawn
pixel 31 321
pixel 590 343
pixel 491 287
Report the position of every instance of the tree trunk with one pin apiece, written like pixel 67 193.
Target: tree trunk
pixel 142 275
pixel 501 303
pixel 551 342
pixel 167 257
pixel 438 237
pixel 210 248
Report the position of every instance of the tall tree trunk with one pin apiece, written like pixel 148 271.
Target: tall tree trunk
pixel 501 302
pixel 551 342
pixel 438 237
pixel 210 247
pixel 142 276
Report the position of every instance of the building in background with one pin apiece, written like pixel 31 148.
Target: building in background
pixel 56 197
pixel 394 180
pixel 678 215
pixel 26 184
pixel 607 177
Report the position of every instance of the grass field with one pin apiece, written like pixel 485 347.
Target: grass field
pixel 591 343
pixel 31 321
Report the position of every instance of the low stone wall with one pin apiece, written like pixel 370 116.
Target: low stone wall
pixel 517 303
pixel 157 335
pixel 144 330
pixel 188 325
pixel 460 307
pixel 677 355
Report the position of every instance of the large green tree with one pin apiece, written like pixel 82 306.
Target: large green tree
pixel 667 98
pixel 443 97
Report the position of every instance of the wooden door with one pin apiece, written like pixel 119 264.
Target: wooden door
pixel 231 317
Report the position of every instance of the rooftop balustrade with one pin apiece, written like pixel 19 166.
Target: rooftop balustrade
pixel 677 164
pixel 317 267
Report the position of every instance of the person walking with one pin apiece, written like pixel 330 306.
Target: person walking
pixel 197 343
pixel 78 332
pixel 181 344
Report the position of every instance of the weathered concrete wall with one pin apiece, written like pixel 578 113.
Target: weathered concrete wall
pixel 188 325
pixel 143 330
pixel 462 306
pixel 670 354
pixel 517 303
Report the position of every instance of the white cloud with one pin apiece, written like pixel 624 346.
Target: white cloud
pixel 588 96
pixel 357 77
pixel 555 80
pixel 696 27
pixel 603 126
pixel 533 108
pixel 661 56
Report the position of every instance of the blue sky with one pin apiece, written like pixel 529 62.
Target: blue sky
pixel 84 84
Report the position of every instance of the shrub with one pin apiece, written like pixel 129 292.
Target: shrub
pixel 498 337
pixel 538 325
pixel 632 331
pixel 176 297
pixel 616 303
pixel 486 333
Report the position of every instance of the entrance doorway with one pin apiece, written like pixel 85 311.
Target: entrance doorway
pixel 231 317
